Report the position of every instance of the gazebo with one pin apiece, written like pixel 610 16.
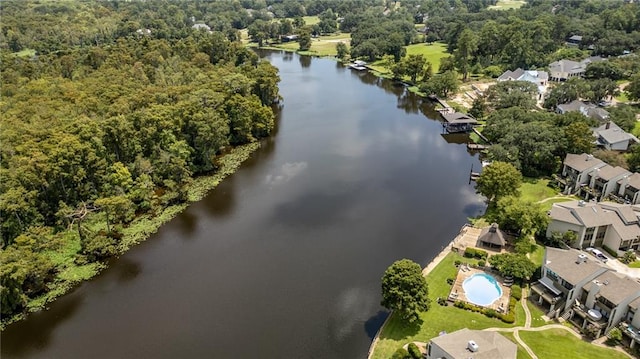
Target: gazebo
pixel 492 237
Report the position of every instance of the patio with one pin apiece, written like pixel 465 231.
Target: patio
pixel 500 305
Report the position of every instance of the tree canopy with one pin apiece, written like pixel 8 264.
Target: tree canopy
pixel 497 180
pixel 405 290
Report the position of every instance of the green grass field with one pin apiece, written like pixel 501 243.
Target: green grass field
pixel 321 46
pixel 536 315
pixel 311 20
pixel 507 4
pixel 432 52
pixel 560 344
pixel 522 354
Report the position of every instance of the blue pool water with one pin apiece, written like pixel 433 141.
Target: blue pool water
pixel 481 289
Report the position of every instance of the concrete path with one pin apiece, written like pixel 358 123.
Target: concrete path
pixel 527 327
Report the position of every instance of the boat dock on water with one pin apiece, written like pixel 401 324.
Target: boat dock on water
pixel 358 65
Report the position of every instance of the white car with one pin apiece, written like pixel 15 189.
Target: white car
pixel 598 254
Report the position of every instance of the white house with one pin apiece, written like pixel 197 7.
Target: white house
pixel 539 78
pixel 629 188
pixel 585 108
pixel 604 180
pixel 466 343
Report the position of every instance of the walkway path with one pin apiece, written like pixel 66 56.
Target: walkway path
pixel 527 327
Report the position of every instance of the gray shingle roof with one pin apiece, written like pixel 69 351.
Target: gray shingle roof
pixel 563 263
pixel 491 345
pixel 582 162
pixel 458 118
pixel 617 287
pixel 608 172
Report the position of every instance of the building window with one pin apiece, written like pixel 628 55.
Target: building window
pixel 588 235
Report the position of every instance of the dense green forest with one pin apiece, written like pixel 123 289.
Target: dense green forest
pixel 104 124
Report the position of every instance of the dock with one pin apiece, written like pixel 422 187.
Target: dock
pixel 481 136
pixel 445 106
pixel 476 147
pixel 358 65
pixel 458 122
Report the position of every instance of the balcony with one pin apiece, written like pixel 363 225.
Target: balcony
pixel 584 313
pixel 628 330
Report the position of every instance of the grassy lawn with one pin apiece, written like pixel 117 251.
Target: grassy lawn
pixel 635 264
pixel 397 333
pixel 507 4
pixel 535 189
pixel 560 344
pixel 522 354
pixel 538 255
pixel 321 46
pixel 622 97
pixel 432 52
pixel 536 315
pixel 311 20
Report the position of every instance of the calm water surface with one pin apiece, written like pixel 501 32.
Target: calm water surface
pixel 284 259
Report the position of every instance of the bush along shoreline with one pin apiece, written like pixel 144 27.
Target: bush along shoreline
pixel 74 269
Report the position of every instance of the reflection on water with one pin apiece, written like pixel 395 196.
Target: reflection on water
pixel 286 255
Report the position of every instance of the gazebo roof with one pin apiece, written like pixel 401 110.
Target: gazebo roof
pixel 493 235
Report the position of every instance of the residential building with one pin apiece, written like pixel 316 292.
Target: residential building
pixel 604 180
pixel 564 272
pixel 539 78
pixel 585 108
pixel 629 188
pixel 466 343
pixel 574 40
pixel 597 224
pixel 580 288
pixel 611 137
pixel 565 69
pixel 576 170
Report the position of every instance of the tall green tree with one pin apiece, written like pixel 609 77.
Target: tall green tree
pixel 497 180
pixel 405 290
pixel 304 38
pixel 463 55
pixel 516 265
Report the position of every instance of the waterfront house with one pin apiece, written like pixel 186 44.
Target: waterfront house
pixel 597 224
pixel 466 343
pixel 604 180
pixel 538 78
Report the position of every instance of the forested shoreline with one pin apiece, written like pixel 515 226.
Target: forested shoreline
pixel 103 140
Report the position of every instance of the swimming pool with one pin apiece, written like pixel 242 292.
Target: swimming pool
pixel 481 289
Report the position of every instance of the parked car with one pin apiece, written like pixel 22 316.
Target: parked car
pixel 598 254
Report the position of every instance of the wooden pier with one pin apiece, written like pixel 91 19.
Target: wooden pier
pixel 476 147
pixel 481 136
pixel 445 106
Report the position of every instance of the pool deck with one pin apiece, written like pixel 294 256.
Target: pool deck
pixel 500 305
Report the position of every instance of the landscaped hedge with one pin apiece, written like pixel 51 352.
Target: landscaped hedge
pixel 401 353
pixel 414 351
pixel 475 253
pixel 516 292
pixel 613 253
pixel 507 318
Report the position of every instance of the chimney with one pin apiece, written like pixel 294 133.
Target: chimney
pixel 589 157
pixel 582 258
pixel 606 127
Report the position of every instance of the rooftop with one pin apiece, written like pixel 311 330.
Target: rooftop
pixel 607 172
pixel 622 218
pixel 458 118
pixel 563 263
pixel 616 287
pixel 582 162
pixel 491 345
pixel 493 235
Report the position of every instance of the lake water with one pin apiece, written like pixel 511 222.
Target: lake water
pixel 284 258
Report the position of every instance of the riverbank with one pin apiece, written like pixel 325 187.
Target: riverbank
pixel 434 263
pixel 139 230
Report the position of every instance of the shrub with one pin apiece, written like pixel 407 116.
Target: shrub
pixel 490 313
pixel 508 318
pixel 516 292
pixel 628 257
pixel 414 351
pixel 401 353
pixel 457 262
pixel 475 253
pixel 481 263
pixel 450 281
pixel 492 71
pixel 613 253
